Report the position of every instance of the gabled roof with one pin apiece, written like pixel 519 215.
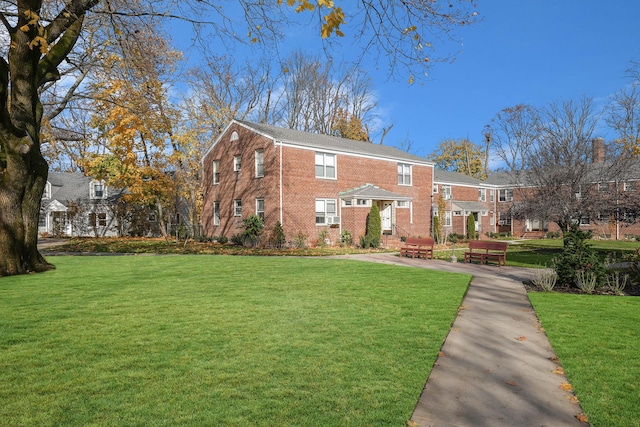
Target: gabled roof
pixel 69 187
pixel 371 192
pixel 332 143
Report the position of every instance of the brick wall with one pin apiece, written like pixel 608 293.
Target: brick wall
pixel 301 188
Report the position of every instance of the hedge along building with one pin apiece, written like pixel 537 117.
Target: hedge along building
pixel 315 185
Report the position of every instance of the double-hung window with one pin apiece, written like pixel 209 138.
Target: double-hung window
pixel 260 208
pixel 446 192
pixel 216 172
pixel 97 190
pixel 237 163
pixel 237 207
pixel 404 174
pixel 259 163
pixel 447 218
pixel 98 219
pixel 216 213
pixel 326 212
pixel 325 165
pixel 505 195
pixel 482 194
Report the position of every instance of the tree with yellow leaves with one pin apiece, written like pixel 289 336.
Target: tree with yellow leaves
pixel 40 36
pixel 461 156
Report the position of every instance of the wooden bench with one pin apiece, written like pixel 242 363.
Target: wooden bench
pixel 483 251
pixel 418 247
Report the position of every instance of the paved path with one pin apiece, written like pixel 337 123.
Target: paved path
pixel 497 367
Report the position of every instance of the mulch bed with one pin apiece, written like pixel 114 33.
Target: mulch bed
pixel 629 290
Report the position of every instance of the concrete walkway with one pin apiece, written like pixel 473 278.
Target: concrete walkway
pixel 497 367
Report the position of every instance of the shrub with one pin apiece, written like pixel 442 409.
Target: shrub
pixel 617 282
pixel 578 255
pixel 323 236
pixel 345 238
pixel 237 239
pixel 278 238
pixel 436 228
pixel 545 279
pixel 374 228
pixel 300 240
pixel 253 226
pixel 471 227
pixel 222 240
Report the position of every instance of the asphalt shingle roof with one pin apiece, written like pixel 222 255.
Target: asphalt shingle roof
pixel 372 192
pixel 316 140
pixel 441 176
pixel 69 187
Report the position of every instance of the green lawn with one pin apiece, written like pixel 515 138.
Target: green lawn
pixel 220 340
pixel 597 339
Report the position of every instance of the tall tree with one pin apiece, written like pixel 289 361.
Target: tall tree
pixel 559 170
pixel 461 156
pixel 40 34
pixel 349 126
pixel 512 132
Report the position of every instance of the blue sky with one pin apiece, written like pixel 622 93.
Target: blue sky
pixel 522 51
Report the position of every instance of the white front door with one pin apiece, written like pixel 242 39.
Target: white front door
pixel 385 215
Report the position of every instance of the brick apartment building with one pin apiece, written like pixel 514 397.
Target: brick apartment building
pixel 322 185
pixel 314 185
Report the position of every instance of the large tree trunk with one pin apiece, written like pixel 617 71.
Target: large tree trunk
pixel 21 187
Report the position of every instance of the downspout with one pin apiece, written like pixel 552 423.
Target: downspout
pixel 280 179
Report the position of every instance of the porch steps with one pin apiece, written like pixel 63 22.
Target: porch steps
pixel 533 235
pixel 390 242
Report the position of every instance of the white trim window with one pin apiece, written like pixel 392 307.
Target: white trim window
pixel 47 191
pixel 237 163
pixel 326 212
pixel 216 172
pixel 260 208
pixel 97 190
pixel 259 163
pixel 237 207
pixel 446 192
pixel 482 194
pixel 325 165
pixel 491 196
pixel 216 213
pixel 505 195
pixel 447 218
pixel 404 174
pixel 504 218
pixel 98 219
pixel 234 136
pixel 402 203
pixel 435 189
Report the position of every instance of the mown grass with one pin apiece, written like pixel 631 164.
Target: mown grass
pixel 171 246
pixel 219 340
pixel 597 339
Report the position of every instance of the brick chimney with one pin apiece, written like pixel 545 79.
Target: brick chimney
pixel 597 145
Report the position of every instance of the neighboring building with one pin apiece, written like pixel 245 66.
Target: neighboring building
pixel 318 186
pixel 464 196
pixel 77 205
pixel 314 185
